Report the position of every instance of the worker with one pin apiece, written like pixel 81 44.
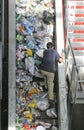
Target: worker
pixel 47 67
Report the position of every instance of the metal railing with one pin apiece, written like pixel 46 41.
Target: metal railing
pixel 75 65
pixel 73 71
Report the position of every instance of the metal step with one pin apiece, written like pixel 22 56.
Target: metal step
pixel 80 81
pixel 79 101
pixel 80 94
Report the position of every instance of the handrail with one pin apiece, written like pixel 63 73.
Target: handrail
pixel 75 63
pixel 72 51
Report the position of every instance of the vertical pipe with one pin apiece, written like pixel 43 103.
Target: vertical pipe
pixel 0 70
pixel 1 18
pixel 11 66
pixel 1 42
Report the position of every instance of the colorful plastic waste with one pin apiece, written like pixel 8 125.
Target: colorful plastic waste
pixel 34 28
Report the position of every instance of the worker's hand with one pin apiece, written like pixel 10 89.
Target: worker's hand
pixel 61 58
pixel 63 55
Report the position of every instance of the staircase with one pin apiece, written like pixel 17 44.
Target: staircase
pixel 75 50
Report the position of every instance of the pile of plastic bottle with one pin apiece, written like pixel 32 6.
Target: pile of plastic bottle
pixel 34 29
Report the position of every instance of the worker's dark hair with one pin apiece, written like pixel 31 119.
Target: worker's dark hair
pixel 49 45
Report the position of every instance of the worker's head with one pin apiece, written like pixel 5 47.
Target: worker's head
pixel 49 45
